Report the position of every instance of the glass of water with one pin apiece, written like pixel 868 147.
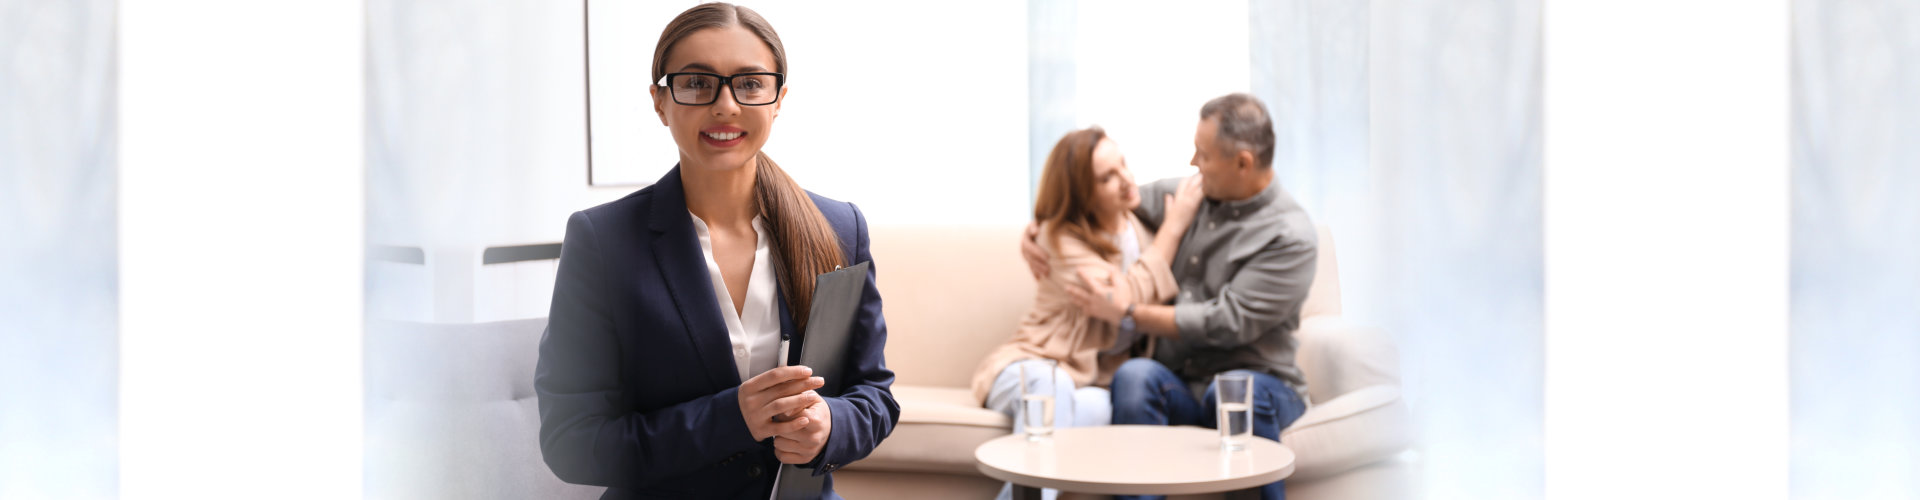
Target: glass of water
pixel 1036 397
pixel 1233 400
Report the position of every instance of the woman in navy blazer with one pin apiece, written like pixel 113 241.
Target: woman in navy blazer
pixel 640 384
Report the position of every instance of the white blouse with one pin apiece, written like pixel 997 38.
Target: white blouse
pixel 755 330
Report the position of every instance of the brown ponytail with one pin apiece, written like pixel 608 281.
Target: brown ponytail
pixel 805 244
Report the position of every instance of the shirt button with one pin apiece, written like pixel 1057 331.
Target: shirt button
pixel 1236 213
pixel 1210 224
pixel 739 352
pixel 1194 260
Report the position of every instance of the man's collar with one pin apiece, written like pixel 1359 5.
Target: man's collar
pixel 1236 208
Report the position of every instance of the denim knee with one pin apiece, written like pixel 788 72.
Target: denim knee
pixel 1138 371
pixel 1134 382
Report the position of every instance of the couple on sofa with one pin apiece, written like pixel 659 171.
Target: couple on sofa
pixel 1196 276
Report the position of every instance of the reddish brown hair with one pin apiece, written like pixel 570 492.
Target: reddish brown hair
pixel 1067 186
pixel 805 243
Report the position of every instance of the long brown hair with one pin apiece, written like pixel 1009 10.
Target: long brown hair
pixel 805 243
pixel 1067 188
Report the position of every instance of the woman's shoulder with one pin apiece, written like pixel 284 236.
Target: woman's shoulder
pixel 834 210
pixel 845 218
pixel 618 213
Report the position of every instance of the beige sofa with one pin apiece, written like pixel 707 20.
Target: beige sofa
pixel 450 411
pixel 953 293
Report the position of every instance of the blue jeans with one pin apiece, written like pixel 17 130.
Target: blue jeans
pixel 1147 393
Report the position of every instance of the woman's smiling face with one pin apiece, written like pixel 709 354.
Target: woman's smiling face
pixel 723 135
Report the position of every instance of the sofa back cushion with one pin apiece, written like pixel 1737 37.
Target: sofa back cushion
pixel 951 294
pixel 1323 297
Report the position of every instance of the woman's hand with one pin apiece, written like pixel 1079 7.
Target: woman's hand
pixel 1097 294
pixel 780 392
pixel 1035 255
pixel 800 446
pixel 1182 205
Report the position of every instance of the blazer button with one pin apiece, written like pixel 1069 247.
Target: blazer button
pixel 755 471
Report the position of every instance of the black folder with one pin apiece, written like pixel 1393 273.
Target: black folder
pixel 836 300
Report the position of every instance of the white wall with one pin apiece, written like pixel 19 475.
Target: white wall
pixel 1666 249
pixel 241 237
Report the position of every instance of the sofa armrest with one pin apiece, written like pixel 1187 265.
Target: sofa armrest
pixel 1360 427
pixel 1338 357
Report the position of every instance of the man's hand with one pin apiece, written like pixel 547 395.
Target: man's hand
pixel 1035 255
pixel 802 445
pixel 780 391
pixel 1097 294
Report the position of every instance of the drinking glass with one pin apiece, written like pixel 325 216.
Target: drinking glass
pixel 1233 398
pixel 1036 406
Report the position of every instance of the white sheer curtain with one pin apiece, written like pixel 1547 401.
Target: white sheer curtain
pixel 59 270
pixel 1457 159
pixel 1413 128
pixel 1855 282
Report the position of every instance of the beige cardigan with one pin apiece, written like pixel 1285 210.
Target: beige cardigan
pixel 1055 328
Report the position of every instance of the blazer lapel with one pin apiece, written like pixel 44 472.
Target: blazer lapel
pixel 676 250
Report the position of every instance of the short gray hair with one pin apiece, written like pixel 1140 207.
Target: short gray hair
pixel 1243 124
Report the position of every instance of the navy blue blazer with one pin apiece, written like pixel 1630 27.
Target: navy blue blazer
pixel 637 386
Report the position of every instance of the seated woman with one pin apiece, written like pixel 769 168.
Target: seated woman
pixel 1086 224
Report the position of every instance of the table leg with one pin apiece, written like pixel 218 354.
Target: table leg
pixel 1246 494
pixel 1024 492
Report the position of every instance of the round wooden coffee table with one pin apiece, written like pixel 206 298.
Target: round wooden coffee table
pixel 1133 460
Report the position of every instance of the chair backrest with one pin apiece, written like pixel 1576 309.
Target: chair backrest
pixel 450 413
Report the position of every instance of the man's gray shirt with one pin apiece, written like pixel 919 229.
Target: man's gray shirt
pixel 1243 270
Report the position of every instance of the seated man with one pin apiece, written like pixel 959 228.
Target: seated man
pixel 1242 271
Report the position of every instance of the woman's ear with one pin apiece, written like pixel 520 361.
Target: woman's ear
pixel 779 100
pixel 659 103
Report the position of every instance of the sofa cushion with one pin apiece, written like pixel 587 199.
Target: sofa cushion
pixel 946 406
pixel 1337 357
pixel 1360 427
pixel 938 430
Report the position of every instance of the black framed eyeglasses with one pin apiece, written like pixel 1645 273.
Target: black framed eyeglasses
pixel 700 89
